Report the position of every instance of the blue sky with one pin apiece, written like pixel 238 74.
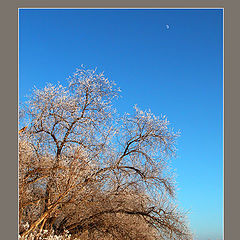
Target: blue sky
pixel 176 71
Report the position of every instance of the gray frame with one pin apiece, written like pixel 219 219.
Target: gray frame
pixel 9 99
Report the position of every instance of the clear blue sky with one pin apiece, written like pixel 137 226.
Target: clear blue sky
pixel 176 71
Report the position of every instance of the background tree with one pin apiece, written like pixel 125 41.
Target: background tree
pixel 86 170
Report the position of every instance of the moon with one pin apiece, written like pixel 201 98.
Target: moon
pixel 167 26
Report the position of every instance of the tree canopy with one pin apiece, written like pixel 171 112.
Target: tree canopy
pixel 85 170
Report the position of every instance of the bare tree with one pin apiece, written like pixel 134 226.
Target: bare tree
pixel 85 170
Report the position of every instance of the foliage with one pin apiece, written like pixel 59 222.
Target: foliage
pixel 84 170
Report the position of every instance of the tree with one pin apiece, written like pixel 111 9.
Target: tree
pixel 86 170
